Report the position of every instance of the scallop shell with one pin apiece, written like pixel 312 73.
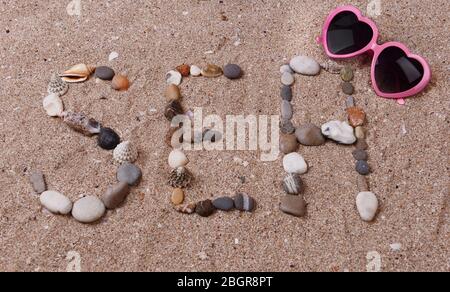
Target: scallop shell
pixel 78 73
pixel 125 152
pixel 81 123
pixel 180 177
pixel 57 86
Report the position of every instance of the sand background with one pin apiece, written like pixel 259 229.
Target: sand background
pixel 408 144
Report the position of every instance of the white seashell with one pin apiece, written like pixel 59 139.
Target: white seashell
pixel 113 56
pixel 177 159
pixel 57 86
pixel 196 71
pixel 295 163
pixel 53 105
pixel 77 73
pixel 125 152
pixel 340 132
pixel 367 205
pixel 174 77
pixel 55 202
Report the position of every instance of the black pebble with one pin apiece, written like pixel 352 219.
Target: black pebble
pixel 362 167
pixel 104 73
pixel 108 139
pixel 205 208
pixel 224 204
pixel 286 93
pixel 360 154
pixel 232 71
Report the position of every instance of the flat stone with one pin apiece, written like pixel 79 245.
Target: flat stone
pixel 129 173
pixel 177 197
pixel 88 209
pixel 350 102
pixel 360 133
pixel 293 205
pixel 359 154
pixel 115 195
pixel 104 73
pixel 286 68
pixel 305 65
pixel 340 132
pixel 56 202
pixel 287 127
pixel 362 167
pixel 348 88
pixel 310 135
pixel 362 144
pixel 286 93
pixel 286 110
pixel 356 116
pixel 224 204
pixel 232 71
pixel 37 181
pixel 288 143
pixel 367 205
pixel 362 183
pixel 287 79
pixel 292 184
pixel 295 163
pixel 347 74
pixel 205 208
pixel 244 202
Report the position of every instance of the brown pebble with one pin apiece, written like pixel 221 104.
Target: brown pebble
pixel 205 208
pixel 359 133
pixel 363 184
pixel 173 93
pixel 362 144
pixel 184 69
pixel 186 208
pixel 288 143
pixel 356 116
pixel 120 83
pixel 177 197
pixel 348 88
pixel 173 109
pixel 293 205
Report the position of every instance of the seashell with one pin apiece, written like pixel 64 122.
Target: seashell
pixel 195 71
pixel 174 77
pixel 120 83
pixel 78 73
pixel 173 109
pixel 212 71
pixel 180 178
pixel 185 70
pixel 81 123
pixel 177 159
pixel 53 105
pixel 331 67
pixel 186 209
pixel 57 86
pixel 125 152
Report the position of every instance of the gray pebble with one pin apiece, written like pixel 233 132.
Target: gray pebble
pixel 232 71
pixel 244 202
pixel 37 181
pixel 310 135
pixel 104 73
pixel 350 102
pixel 115 195
pixel 286 93
pixel 348 88
pixel 286 68
pixel 286 110
pixel 287 79
pixel 362 167
pixel 129 173
pixel 359 154
pixel 224 204
pixel 361 144
pixel 292 184
pixel 287 127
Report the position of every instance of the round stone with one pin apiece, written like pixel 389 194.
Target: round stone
pixel 356 116
pixel 286 68
pixel 56 202
pixel 286 110
pixel 293 205
pixel 286 93
pixel 120 82
pixel 115 195
pixel 177 158
pixel 177 197
pixel 108 139
pixel 184 70
pixel 362 144
pixel 104 73
pixel 173 93
pixel 347 74
pixel 362 183
pixel 205 208
pixel 287 79
pixel 360 155
pixel 37 181
pixel 359 133
pixel 224 204
pixel 129 173
pixel 88 209
pixel 310 135
pixel 305 65
pixel 196 71
pixel 362 167
pixel 292 184
pixel 367 205
pixel 232 71
pixel 348 88
pixel 340 132
pixel 244 202
pixel 287 127
pixel 288 143
pixel 295 163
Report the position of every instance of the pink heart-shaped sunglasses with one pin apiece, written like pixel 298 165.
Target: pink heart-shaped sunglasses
pixel 396 72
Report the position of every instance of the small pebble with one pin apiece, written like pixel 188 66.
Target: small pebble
pixel 286 93
pixel 286 68
pixel 293 205
pixel 310 135
pixel 287 127
pixel 288 143
pixel 286 110
pixel 177 158
pixel 232 71
pixel 362 183
pixel 362 144
pixel 177 197
pixel 292 184
pixel 53 105
pixel 174 77
pixel 88 209
pixel 224 204
pixel 186 208
pixel 356 116
pixel 104 73
pixel 56 202
pixel 212 71
pixel 173 93
pixel 347 74
pixel 244 202
pixel 196 71
pixel 305 66
pixel 340 132
pixel 205 208
pixel 37 181
pixel 108 139
pixel 120 83
pixel 172 110
pixel 350 102
pixel 115 195
pixel 348 88
pixel 185 70
pixel 360 155
pixel 295 163
pixel 367 205
pixel 287 79
pixel 129 173
pixel 362 167
pixel 359 133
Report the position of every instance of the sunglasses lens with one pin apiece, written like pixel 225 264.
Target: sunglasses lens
pixel 347 35
pixel 395 72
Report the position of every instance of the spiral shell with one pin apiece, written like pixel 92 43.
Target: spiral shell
pixel 81 123
pixel 180 177
pixel 78 73
pixel 125 152
pixel 57 86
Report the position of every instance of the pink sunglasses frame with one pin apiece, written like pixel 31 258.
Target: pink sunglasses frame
pixel 376 49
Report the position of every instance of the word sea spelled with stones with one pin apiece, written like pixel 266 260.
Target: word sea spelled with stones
pixel 89 209
pixel 343 132
pixel 181 178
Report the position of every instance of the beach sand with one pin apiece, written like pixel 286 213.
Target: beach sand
pixel 409 147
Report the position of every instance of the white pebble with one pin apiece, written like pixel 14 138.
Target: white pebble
pixel 305 66
pixel 295 163
pixel 177 159
pixel 55 202
pixel 195 71
pixel 367 204
pixel 53 105
pixel 340 132
pixel 174 77
pixel 287 79
pixel 113 56
pixel 396 246
pixel 286 68
pixel 88 209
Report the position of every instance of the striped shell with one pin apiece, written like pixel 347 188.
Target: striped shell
pixel 81 123
pixel 125 152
